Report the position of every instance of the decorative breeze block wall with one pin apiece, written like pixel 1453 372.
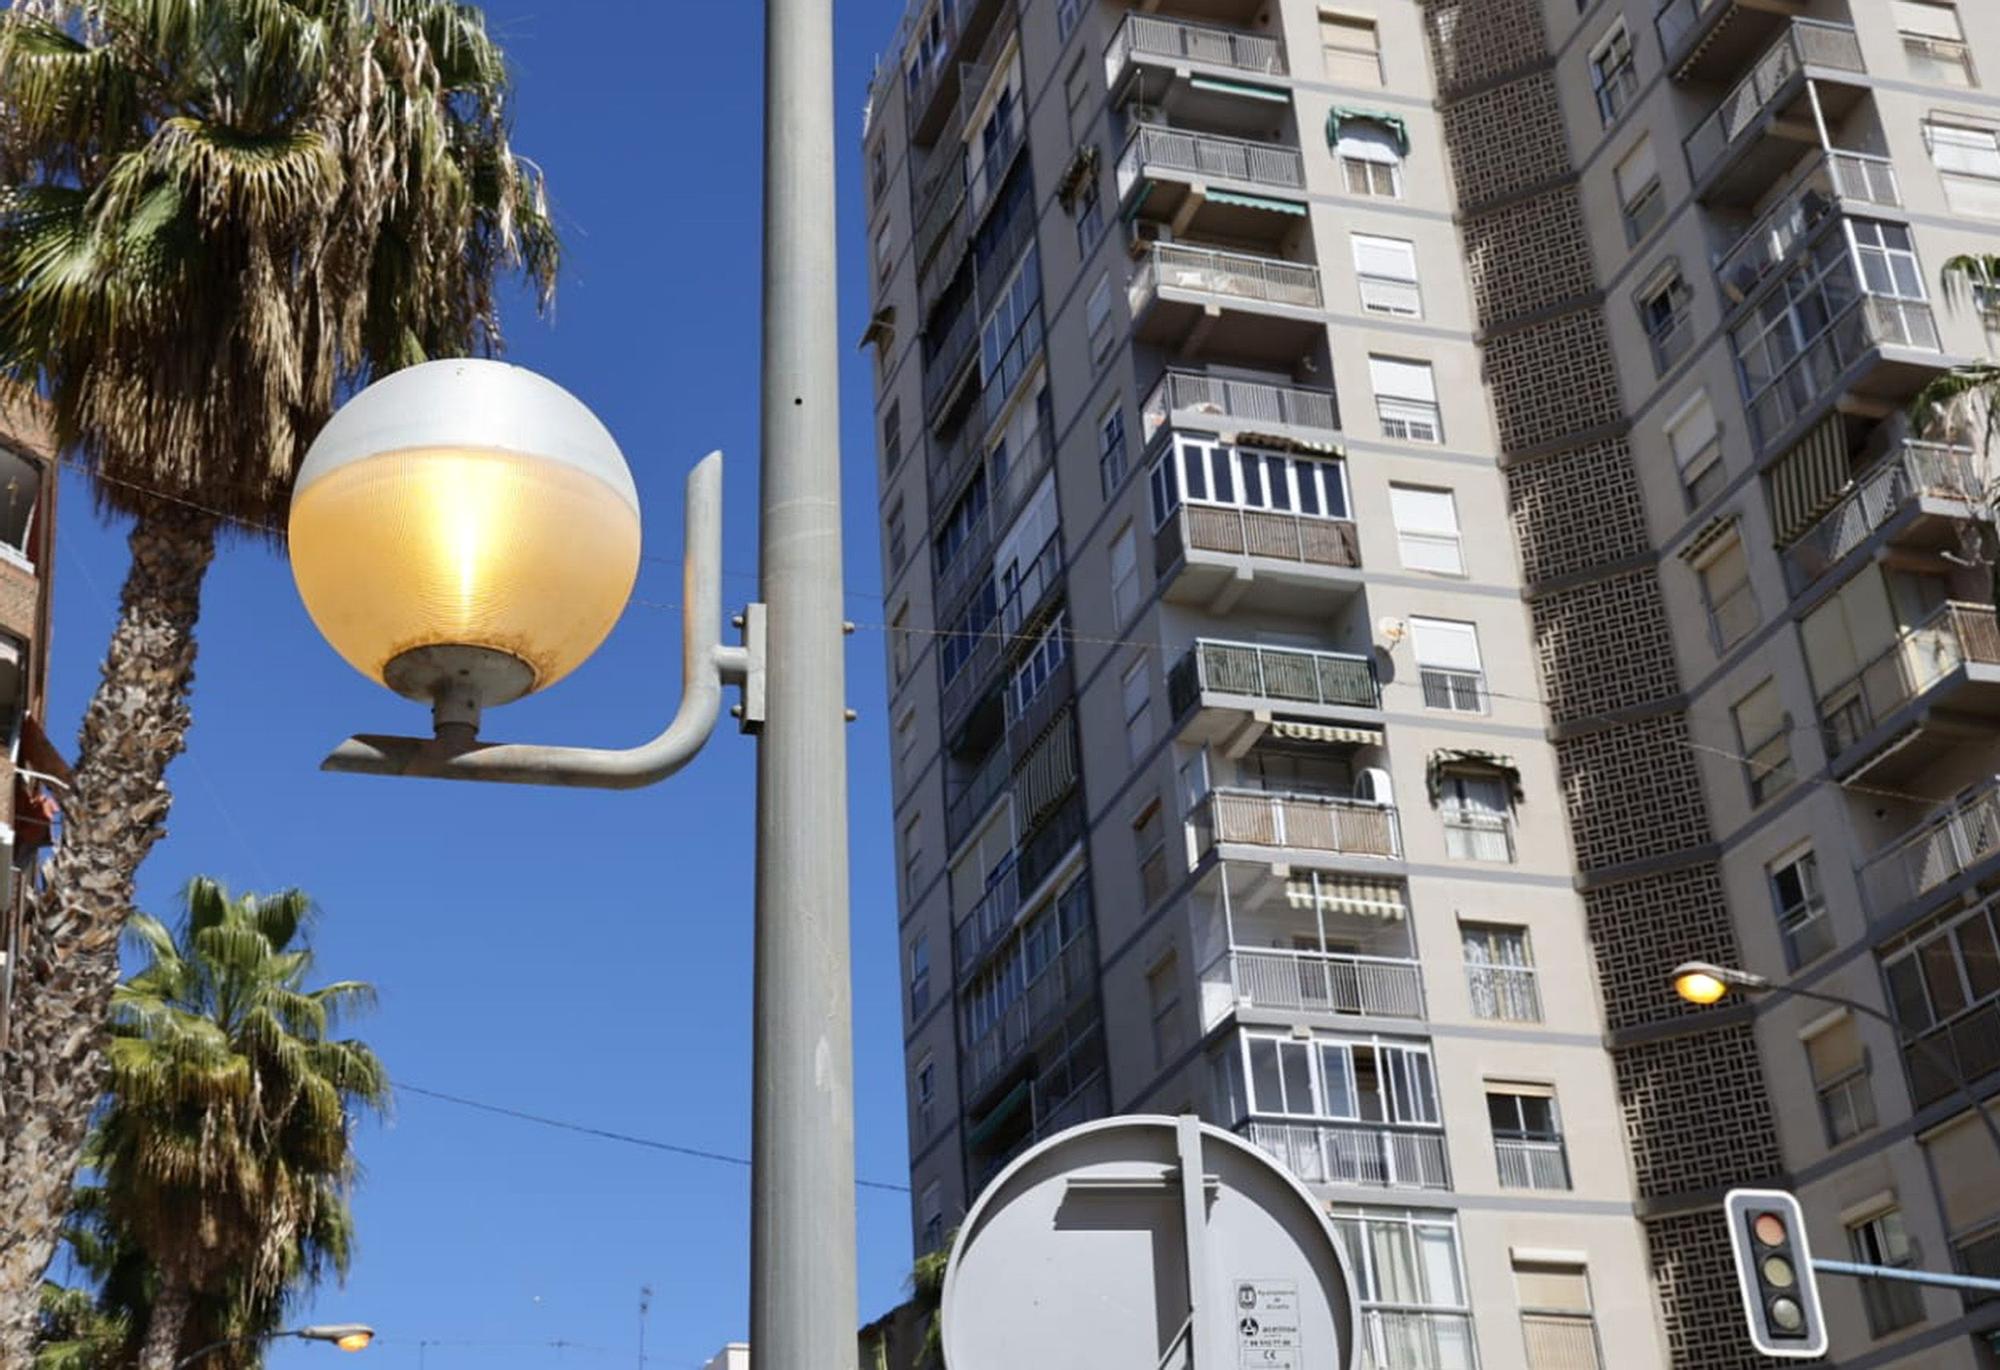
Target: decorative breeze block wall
pixel 1696 1113
pixel 1507 139
pixel 1576 509
pixel 1528 253
pixel 1553 379
pixel 1476 41
pixel 1634 792
pixel 1605 646
pixel 1700 1308
pixel 1641 929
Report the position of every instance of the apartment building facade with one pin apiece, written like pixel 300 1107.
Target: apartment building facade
pixel 1400 530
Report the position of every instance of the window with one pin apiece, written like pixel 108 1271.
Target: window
pixel 1124 576
pixel 1012 332
pixel 1371 159
pixel 1351 49
pixel 1097 317
pixel 1149 845
pixel 1640 200
pixel 898 538
pixel 1613 76
pixel 1137 692
pixel 930 1221
pixel 1883 1240
pixel 913 853
pixel 1527 1138
pixel 1448 666
pixel 1945 970
pixel 1764 734
pixel 920 974
pixel 906 746
pixel 1163 998
pixel 1839 1068
pixel 1089 221
pixel 899 642
pixel 1968 162
pixel 1478 817
pixel 1067 13
pixel 926 1095
pixel 1038 667
pixel 892 437
pixel 1386 269
pixel 1723 569
pixel 1888 259
pixel 1076 90
pixel 1406 399
pixel 1556 1324
pixel 1800 907
pixel 885 254
pixel 1411 1286
pixel 1697 447
pixel 1664 312
pixel 1344 1080
pixel 1933 42
pixel 1427 529
pixel 878 170
pixel 1500 973
pixel 1201 470
pixel 1111 449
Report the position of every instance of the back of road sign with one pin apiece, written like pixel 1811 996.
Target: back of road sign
pixel 1078 1257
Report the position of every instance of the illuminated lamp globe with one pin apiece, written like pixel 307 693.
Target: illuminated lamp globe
pixel 464 532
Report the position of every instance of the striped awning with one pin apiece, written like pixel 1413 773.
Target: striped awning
pixel 1248 92
pixel 1047 775
pixel 1809 479
pixel 1230 197
pixel 1331 734
pixel 1285 442
pixel 1398 128
pixel 1348 894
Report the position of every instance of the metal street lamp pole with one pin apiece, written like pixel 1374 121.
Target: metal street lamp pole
pixel 348 1336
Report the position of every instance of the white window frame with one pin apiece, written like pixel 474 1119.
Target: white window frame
pixel 1341 69
pixel 1097 318
pixel 1197 469
pixel 1368 154
pixel 1701 469
pixel 1426 542
pixel 1114 448
pixel 1453 686
pixel 1406 415
pixel 1135 694
pixel 1408 1080
pixel 1809 910
pixel 1614 73
pixel 1385 273
pixel 1123 556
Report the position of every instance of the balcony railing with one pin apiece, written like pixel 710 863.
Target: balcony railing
pixel 1208 155
pixel 1471 835
pixel 973 798
pixel 1811 378
pixel 1940 849
pixel 1913 471
pixel 1326 982
pixel 1920 657
pixel 1004 499
pixel 1461 692
pixel 1228 275
pixel 1290 675
pixel 1032 588
pixel 1246 404
pixel 1832 178
pixel 986 175
pixel 987 923
pixel 1806 42
pixel 1033 1012
pixel 1413 1339
pixel 1504 994
pixel 947 363
pixel 1561 1341
pixel 1971 1042
pixel 1678 18
pixel 1308 822
pixel 1355 1153
pixel 1258 533
pixel 1176 40
pixel 1526 1164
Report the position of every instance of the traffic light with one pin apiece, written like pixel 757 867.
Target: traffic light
pixel 1767 1235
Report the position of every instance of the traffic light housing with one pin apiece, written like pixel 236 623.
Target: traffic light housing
pixel 1767 1236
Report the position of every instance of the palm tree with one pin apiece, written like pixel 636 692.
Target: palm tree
pixel 223 1152
pixel 216 218
pixel 927 1297
pixel 1963 405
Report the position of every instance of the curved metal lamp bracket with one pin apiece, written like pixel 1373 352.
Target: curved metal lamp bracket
pixel 706 666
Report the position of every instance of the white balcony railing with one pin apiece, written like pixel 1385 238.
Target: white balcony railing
pixel 1247 404
pixel 1526 1164
pixel 1504 994
pixel 1561 1341
pixel 1326 982
pixel 1830 180
pixel 1205 155
pixel 1238 276
pixel 1811 378
pixel 1910 667
pixel 1459 691
pixel 1355 1153
pixel 1941 848
pixel 1913 471
pixel 1805 42
pixel 1475 835
pixel 1176 40
pixel 1416 1339
pixel 1306 822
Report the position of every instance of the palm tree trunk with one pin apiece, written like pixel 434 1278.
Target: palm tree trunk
pixel 165 1322
pixel 53 1069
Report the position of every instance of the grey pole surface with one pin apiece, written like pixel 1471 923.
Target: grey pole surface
pixel 802 1281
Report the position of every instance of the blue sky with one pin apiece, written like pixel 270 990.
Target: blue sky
pixel 578 955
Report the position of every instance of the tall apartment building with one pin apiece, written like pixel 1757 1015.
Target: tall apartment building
pixel 1400 530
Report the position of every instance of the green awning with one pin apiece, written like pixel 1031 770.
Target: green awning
pixel 1230 197
pixel 1339 115
pixel 998 1114
pixel 1236 88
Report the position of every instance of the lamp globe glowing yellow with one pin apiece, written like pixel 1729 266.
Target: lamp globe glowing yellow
pixel 468 525
pixel 1700 987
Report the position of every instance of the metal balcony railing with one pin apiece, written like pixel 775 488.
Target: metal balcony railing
pixel 1237 276
pixel 1416 1339
pixel 1811 378
pixel 987 923
pixel 1971 1042
pixel 1280 674
pixel 1208 155
pixel 1829 181
pixel 1326 982
pixel 1474 835
pixel 1177 40
pixel 1561 1341
pixel 1032 1013
pixel 1257 533
pixel 1355 1153
pixel 1246 403
pixel 1941 848
pixel 940 217
pixel 1459 691
pixel 1504 994
pixel 1953 635
pixel 1531 1164
pixel 1678 18
pixel 973 798
pixel 1309 822
pixel 1032 588
pixel 947 363
pixel 989 170
pixel 1014 487
pixel 1805 42
pixel 1913 471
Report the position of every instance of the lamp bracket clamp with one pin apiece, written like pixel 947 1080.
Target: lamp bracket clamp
pixel 743 667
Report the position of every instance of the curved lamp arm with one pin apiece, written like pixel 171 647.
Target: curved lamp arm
pixel 706 665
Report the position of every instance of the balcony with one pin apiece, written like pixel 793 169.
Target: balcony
pixel 1040 1006
pixel 1878 348
pixel 989 643
pixel 950 365
pixel 1195 400
pixel 1420 1339
pixel 1711 40
pixel 1148 52
pixel 1224 693
pixel 1212 186
pixel 1916 498
pixel 1945 852
pixel 1744 147
pixel 1933 688
pixel 1303 824
pixel 1372 1155
pixel 1329 983
pixel 1832 182
pixel 963 28
pixel 1250 308
pixel 1970 1042
pixel 1526 1163
pixel 1008 492
pixel 1503 994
